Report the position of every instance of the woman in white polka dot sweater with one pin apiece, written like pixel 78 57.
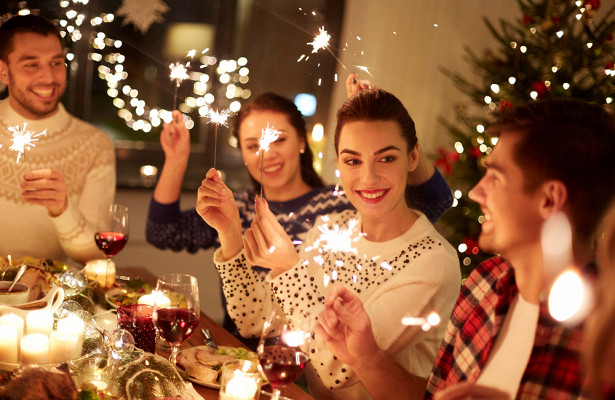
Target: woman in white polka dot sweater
pixel 393 259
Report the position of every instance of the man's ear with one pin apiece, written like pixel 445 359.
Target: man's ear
pixel 554 197
pixel 4 72
pixel 414 158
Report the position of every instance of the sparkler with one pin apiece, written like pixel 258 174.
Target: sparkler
pixel 23 139
pixel 179 72
pixel 321 41
pixel 268 136
pixel 217 118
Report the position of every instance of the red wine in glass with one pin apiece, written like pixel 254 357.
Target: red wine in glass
pixel 110 243
pixel 282 365
pixel 176 324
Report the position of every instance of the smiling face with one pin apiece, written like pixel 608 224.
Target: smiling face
pixel 35 74
pixel 281 167
pixel 513 220
pixel 374 161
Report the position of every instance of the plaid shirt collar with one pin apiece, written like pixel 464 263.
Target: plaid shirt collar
pixel 553 370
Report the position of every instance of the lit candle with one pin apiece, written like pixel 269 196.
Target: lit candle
pixel 63 346
pixel 96 270
pixel 242 386
pixel 155 299
pixel 35 349
pixel 39 321
pixel 72 326
pixel 13 320
pixel 8 344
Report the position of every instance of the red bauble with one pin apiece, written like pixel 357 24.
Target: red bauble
pixel 475 152
pixel 609 65
pixel 593 4
pixel 540 88
pixel 527 19
pixel 556 20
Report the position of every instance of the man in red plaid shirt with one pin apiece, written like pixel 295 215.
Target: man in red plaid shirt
pixel 552 156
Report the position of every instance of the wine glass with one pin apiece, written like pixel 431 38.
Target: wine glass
pixel 282 350
pixel 176 309
pixel 111 232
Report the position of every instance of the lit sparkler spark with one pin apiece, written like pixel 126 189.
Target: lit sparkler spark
pixel 426 324
pixel 218 118
pixel 268 136
pixel 364 69
pixel 321 41
pixel 337 239
pixel 191 53
pixel 179 72
pixel 23 139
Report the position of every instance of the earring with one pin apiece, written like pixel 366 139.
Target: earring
pixel 302 150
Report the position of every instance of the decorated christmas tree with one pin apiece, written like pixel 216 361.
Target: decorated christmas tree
pixel 553 49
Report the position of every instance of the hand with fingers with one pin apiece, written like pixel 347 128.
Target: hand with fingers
pixel 354 85
pixel 175 140
pixel 469 390
pixel 346 328
pixel 267 244
pixel 216 205
pixel 47 188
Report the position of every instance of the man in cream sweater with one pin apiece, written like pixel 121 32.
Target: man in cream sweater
pixel 50 198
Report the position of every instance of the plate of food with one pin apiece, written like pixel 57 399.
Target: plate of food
pixel 201 364
pixel 128 291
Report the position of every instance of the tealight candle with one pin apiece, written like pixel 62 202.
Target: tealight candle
pixel 13 320
pixel 39 321
pixel 155 299
pixel 72 326
pixel 35 349
pixel 239 384
pixel 8 344
pixel 96 270
pixel 63 346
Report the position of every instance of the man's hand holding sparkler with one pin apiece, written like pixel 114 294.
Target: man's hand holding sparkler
pixel 354 85
pixel 216 205
pixel 267 244
pixel 45 187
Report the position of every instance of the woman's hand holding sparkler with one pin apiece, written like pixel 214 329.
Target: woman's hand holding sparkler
pixel 47 188
pixel 267 244
pixel 175 141
pixel 354 85
pixel 216 205
pixel 346 328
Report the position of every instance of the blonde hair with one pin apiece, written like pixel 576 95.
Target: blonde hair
pixel 599 343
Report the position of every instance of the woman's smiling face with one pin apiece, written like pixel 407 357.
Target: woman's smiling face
pixel 281 166
pixel 374 161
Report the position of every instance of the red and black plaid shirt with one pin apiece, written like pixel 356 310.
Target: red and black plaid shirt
pixel 553 371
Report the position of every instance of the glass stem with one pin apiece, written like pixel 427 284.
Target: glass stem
pixel 275 395
pixel 174 352
pixel 107 283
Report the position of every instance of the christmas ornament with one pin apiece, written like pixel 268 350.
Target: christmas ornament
pixel 142 13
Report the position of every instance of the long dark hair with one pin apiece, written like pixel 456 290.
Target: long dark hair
pixel 276 103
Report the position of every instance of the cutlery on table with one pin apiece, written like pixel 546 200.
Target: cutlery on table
pixel 208 340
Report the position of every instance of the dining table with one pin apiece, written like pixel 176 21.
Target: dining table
pixel 220 335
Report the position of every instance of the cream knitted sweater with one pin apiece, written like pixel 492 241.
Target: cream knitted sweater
pixel 411 275
pixel 85 155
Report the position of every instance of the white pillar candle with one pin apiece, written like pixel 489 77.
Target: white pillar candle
pixel 13 320
pixel 72 325
pixel 39 321
pixel 96 270
pixel 62 346
pixel 8 344
pixel 34 349
pixel 155 299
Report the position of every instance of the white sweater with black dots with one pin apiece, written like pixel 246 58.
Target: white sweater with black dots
pixel 411 275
